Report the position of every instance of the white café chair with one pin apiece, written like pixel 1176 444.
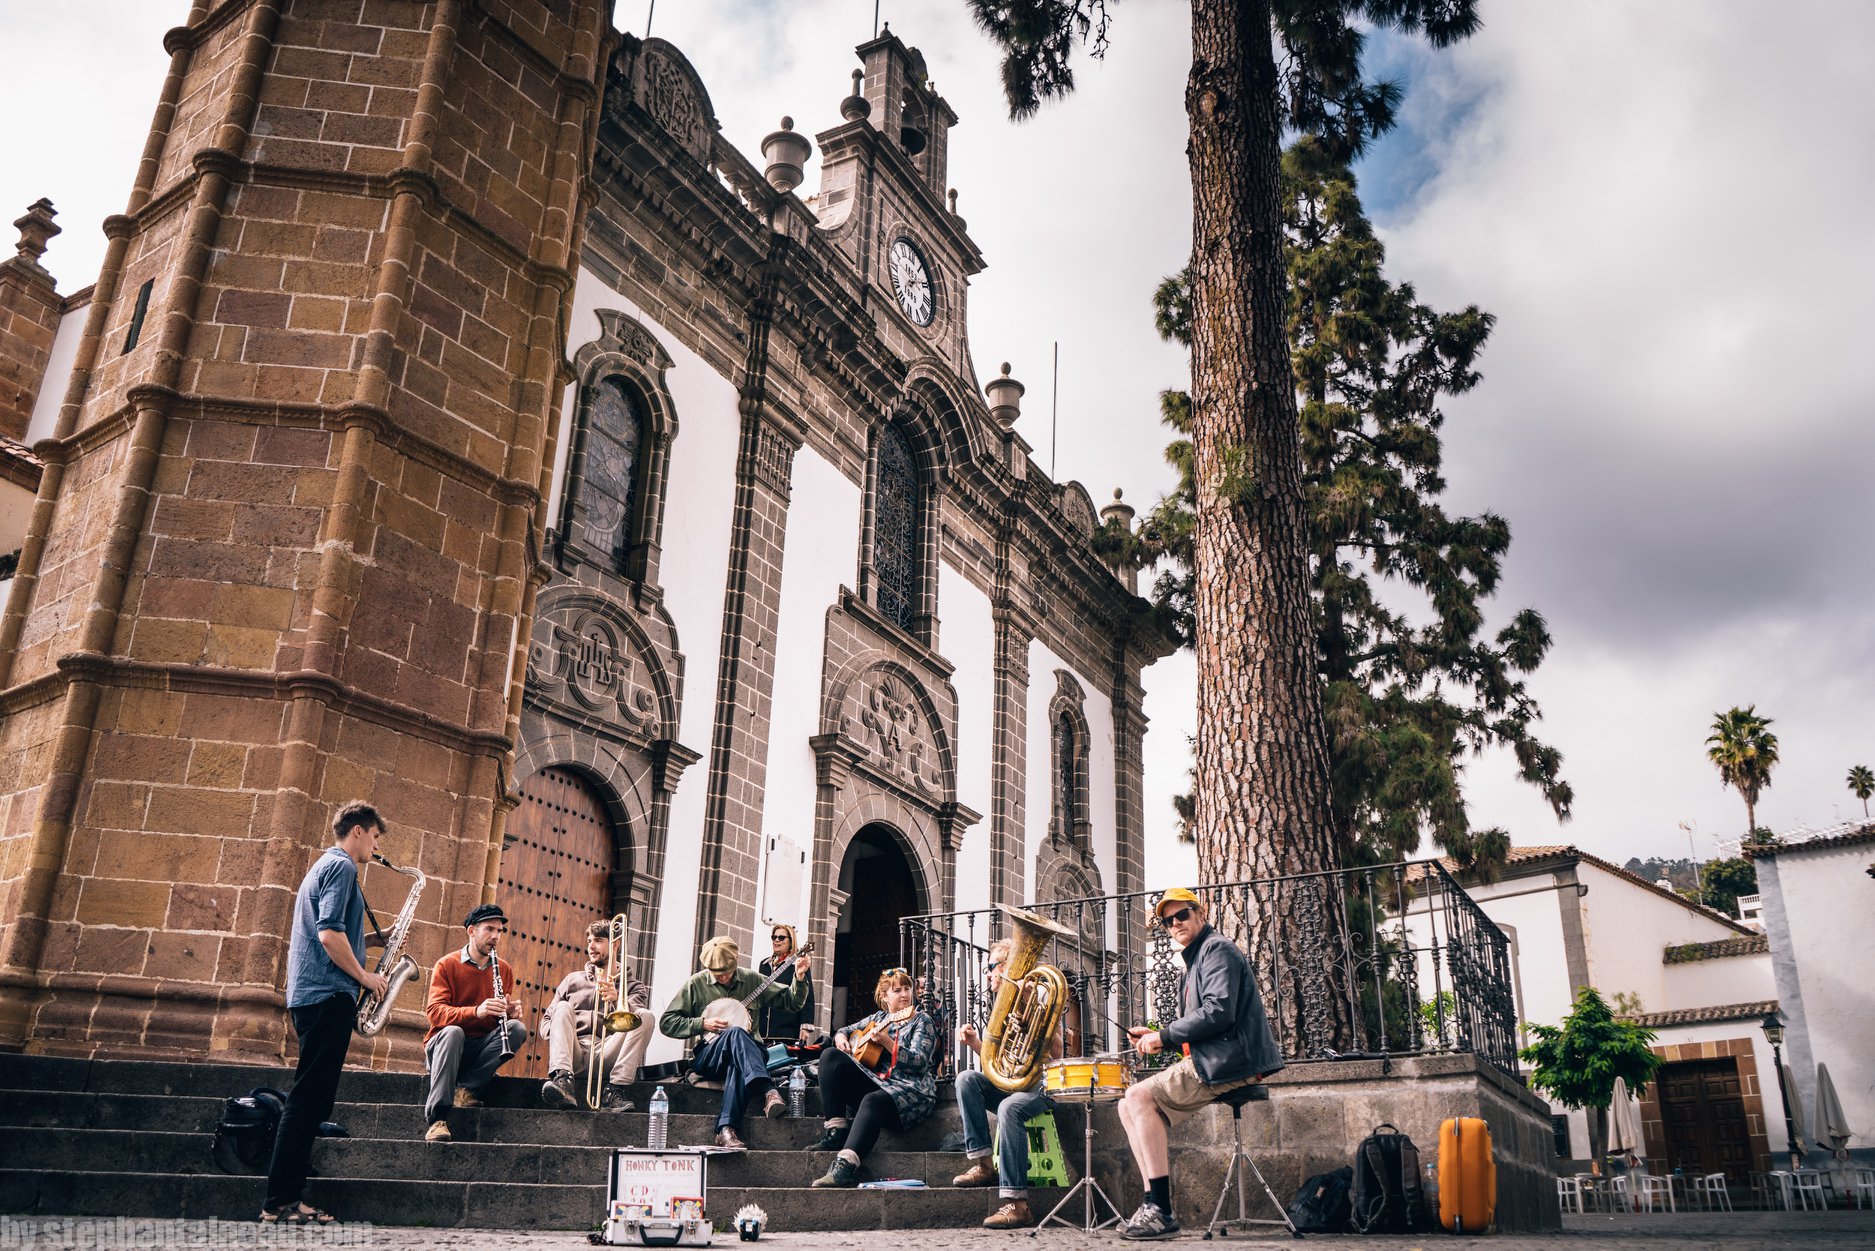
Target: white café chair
pixel 1862 1184
pixel 1712 1192
pixel 1653 1188
pixel 1569 1194
pixel 1809 1182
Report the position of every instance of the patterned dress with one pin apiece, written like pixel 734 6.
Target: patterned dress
pixel 910 1075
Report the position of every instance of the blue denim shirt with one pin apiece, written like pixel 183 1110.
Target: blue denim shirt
pixel 328 899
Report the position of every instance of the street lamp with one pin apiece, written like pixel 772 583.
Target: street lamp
pixel 1774 1034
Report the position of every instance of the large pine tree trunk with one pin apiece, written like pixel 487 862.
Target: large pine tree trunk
pixel 1262 791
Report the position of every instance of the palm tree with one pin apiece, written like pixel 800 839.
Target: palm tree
pixel 1862 785
pixel 1743 749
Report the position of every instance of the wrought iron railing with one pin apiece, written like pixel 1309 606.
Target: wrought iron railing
pixel 1410 965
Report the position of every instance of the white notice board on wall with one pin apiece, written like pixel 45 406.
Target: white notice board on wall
pixel 656 1181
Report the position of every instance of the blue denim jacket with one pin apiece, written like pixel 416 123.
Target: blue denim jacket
pixel 1223 1019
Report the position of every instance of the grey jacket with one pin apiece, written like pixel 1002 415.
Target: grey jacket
pixel 1223 1020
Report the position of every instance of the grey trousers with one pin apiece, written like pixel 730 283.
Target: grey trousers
pixel 568 1050
pixel 454 1059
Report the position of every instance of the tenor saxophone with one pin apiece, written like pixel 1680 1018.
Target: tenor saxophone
pixel 394 962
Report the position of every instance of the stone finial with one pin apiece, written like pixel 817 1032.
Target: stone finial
pixel 786 152
pixel 856 107
pixel 1005 399
pixel 35 228
pixel 961 223
pixel 1120 509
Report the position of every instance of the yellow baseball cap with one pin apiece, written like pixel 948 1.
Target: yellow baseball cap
pixel 1178 894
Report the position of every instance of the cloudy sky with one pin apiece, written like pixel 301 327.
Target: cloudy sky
pixel 1666 205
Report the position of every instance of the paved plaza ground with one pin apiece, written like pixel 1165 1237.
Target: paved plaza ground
pixel 1824 1231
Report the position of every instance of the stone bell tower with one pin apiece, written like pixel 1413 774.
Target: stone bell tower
pixel 282 552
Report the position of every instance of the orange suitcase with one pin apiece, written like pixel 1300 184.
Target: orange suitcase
pixel 1467 1176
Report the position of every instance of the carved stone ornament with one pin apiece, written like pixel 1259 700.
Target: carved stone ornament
pixel 586 663
pixel 670 91
pixel 628 336
pixel 885 720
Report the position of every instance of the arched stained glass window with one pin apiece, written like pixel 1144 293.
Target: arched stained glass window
pixel 897 509
pixel 614 438
pixel 1067 772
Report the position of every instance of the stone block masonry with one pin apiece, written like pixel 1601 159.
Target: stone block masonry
pixel 281 553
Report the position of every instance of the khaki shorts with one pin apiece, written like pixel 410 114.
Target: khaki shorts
pixel 1179 1093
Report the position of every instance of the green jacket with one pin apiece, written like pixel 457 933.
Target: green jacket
pixel 684 1018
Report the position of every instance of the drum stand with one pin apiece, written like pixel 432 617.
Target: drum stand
pixel 1093 1190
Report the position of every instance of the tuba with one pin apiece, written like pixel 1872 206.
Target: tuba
pixel 1028 1005
pixel 394 962
pixel 620 1020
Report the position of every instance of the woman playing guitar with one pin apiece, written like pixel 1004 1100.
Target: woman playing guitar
pixel 882 1074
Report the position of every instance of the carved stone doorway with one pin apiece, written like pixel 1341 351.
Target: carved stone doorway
pixel 556 878
pixel 881 885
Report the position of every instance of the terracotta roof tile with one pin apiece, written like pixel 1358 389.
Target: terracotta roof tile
pixel 1716 1012
pixel 1849 838
pixel 1692 953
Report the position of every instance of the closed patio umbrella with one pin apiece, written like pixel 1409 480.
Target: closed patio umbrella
pixel 1624 1125
pixel 1795 1107
pixel 1832 1127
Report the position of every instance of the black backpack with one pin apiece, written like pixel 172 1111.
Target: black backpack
pixel 249 1123
pixel 244 1136
pixel 1387 1196
pixel 1321 1206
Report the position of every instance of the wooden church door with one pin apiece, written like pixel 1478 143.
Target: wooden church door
pixel 556 878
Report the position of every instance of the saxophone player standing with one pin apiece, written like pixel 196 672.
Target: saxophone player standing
pixel 473 1025
pixel 325 967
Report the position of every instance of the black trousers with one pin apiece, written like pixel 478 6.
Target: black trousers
pixel 846 1090
pixel 325 1035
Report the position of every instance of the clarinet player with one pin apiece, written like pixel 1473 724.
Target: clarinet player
pixel 474 1026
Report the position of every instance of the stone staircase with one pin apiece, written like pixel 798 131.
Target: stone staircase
pixel 131 1138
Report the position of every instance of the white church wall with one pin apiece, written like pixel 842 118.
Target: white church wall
pixel 699 502
pixel 968 636
pixel 820 554
pixel 46 404
pixel 1628 929
pixel 1704 983
pixel 1039 790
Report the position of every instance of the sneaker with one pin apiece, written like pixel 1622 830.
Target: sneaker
pixel 1151 1221
pixel 832 1140
pixel 615 1100
pixel 839 1175
pixel 437 1132
pixel 557 1091
pixel 978 1174
pixel 1014 1214
pixel 466 1098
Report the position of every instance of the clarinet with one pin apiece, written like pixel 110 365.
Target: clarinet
pixel 494 971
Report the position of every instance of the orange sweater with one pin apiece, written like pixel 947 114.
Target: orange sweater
pixel 458 989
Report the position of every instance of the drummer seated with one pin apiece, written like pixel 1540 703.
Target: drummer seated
pixel 977 1097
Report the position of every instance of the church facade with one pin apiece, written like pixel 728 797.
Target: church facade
pixel 695 574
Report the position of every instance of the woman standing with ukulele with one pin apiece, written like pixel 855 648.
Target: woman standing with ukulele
pixel 882 1075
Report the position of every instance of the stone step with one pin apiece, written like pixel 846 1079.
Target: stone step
pixel 139 1077
pixel 477 1204
pixel 402 1122
pixel 123 1151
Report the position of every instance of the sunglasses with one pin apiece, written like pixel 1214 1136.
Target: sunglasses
pixel 896 973
pixel 777 938
pixel 1176 918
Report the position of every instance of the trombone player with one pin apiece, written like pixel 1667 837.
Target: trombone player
pixel 576 1026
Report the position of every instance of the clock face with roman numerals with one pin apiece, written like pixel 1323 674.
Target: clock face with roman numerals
pixel 911 279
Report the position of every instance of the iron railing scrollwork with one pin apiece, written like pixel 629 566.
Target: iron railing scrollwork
pixel 1407 965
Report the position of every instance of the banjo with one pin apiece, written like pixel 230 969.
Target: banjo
pixel 734 1013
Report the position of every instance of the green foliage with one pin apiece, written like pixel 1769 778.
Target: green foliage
pixel 1743 749
pixel 1576 1063
pixel 1439 1019
pixel 1861 784
pixel 1406 700
pixel 1721 882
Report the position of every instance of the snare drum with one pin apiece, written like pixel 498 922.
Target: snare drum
pixel 1080 1078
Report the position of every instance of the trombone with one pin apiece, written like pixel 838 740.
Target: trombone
pixel 618 1020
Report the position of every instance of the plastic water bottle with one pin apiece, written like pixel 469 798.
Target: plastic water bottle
pixel 660 1121
pixel 797 1092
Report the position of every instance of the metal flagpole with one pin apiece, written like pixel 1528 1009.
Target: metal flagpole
pixel 1054 410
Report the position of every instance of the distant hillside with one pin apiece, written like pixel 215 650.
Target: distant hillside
pixel 1682 873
